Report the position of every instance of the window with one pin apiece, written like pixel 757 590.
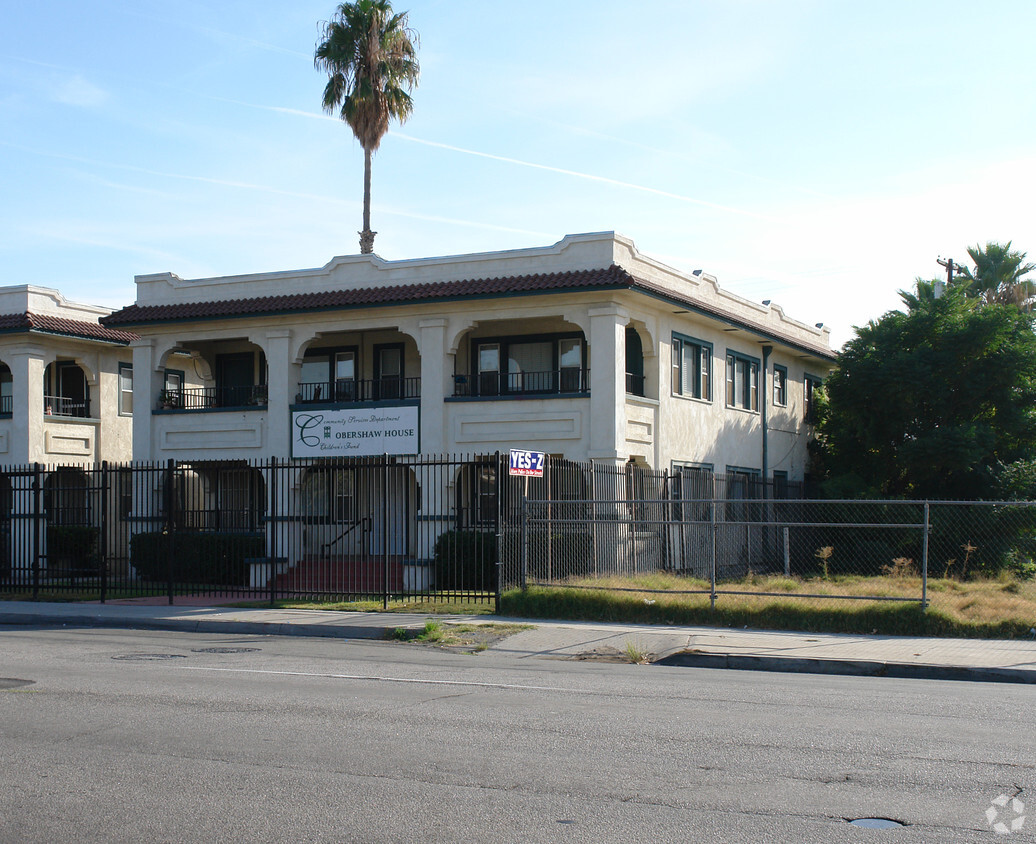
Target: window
pixel 810 386
pixel 742 381
pixel 696 485
pixel 477 493
pixel 743 485
pixel 780 386
pixel 489 369
pixel 125 389
pixel 172 389
pixel 692 368
pixel 328 375
pixel 388 372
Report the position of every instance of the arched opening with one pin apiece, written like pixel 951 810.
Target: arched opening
pixel 522 357
pixel 65 391
pixel 72 541
pixel 6 387
pixel 6 508
pixel 367 366
pixel 634 362
pixel 224 497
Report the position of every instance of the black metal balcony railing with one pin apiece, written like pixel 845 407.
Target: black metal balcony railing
pixel 353 390
pixel 62 406
pixel 551 382
pixel 201 398
pixel 6 405
pixel 634 384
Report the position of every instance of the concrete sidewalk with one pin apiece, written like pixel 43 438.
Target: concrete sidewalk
pixel 704 647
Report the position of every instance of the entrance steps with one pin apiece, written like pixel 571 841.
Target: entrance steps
pixel 343 574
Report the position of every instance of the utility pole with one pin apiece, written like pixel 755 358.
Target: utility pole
pixel 951 268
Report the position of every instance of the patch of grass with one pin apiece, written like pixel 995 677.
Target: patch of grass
pixel 972 609
pixel 418 607
pixel 633 653
pixel 467 638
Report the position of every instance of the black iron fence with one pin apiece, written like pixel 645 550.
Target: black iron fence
pixel 359 390
pixel 460 528
pixel 381 528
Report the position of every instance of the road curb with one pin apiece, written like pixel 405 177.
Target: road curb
pixel 849 667
pixel 186 625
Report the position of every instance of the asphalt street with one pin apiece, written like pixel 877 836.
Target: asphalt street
pixel 147 736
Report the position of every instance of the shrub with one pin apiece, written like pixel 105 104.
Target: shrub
pixel 197 557
pixel 73 549
pixel 465 559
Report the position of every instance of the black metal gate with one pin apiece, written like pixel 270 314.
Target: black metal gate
pixel 386 529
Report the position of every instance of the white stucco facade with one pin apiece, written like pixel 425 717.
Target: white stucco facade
pixel 61 374
pixel 585 349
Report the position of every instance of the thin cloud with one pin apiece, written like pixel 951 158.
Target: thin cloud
pixel 589 176
pixel 507 160
pixel 311 197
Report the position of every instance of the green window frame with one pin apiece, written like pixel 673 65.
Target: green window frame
pixel 780 385
pixel 742 381
pixel 810 384
pixel 692 367
pixel 125 392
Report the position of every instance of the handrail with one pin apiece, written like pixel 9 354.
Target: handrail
pixel 327 545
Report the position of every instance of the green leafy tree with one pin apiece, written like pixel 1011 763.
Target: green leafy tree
pixel 930 402
pixel 370 58
pixel 1000 276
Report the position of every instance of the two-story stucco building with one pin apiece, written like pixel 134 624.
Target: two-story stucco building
pixel 66 381
pixel 586 349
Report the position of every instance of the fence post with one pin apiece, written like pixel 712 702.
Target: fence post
pixel 715 529
pixel 37 527
pixel 103 539
pixel 787 552
pixel 525 544
pixel 272 552
pixel 385 530
pixel 924 559
pixel 170 526
pixel 497 475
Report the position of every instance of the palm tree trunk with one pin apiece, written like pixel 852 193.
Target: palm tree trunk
pixel 367 236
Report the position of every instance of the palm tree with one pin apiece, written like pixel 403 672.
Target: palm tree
pixel 371 62
pixel 999 276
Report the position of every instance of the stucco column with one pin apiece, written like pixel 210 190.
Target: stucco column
pixel 433 384
pixel 280 391
pixel 27 368
pixel 147 382
pixel 608 383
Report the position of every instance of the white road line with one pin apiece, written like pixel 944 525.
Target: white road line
pixel 376 679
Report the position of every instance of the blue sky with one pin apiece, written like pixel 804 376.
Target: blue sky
pixel 819 154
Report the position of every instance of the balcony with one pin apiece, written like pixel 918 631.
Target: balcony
pixel 635 384
pixel 208 398
pixel 349 390
pixel 567 381
pixel 63 406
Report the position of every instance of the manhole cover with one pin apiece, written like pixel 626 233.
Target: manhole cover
pixel 148 657
pixel 225 650
pixel 12 683
pixel 876 823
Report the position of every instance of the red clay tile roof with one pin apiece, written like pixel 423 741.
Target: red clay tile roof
pixel 47 324
pixel 611 278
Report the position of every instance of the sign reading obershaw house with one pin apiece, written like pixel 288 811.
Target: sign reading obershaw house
pixel 354 433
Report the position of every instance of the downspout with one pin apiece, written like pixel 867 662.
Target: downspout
pixel 767 351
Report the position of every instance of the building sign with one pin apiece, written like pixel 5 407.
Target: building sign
pixel 355 433
pixel 527 463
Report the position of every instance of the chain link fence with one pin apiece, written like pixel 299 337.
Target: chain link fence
pixel 950 555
